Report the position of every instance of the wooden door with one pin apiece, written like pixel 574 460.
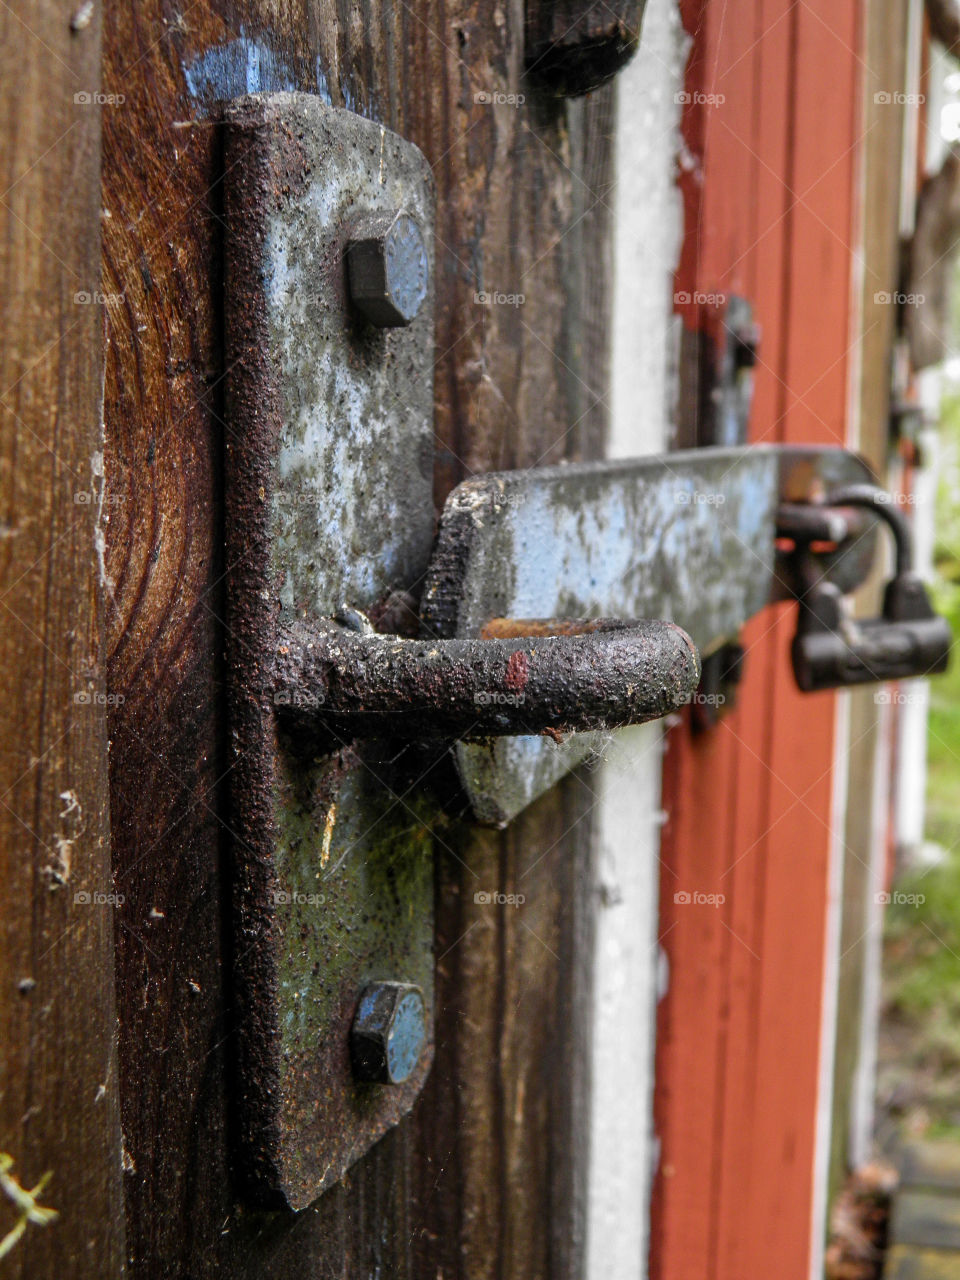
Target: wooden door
pixel 745 1043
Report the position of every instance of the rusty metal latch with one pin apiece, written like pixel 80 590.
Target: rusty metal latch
pixel 364 646
pixel 520 677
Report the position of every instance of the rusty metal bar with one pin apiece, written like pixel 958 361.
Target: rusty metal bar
pixel 537 677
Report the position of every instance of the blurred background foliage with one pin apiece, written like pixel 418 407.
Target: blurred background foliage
pixel 919 1067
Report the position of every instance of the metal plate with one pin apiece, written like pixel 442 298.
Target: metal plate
pixel 688 537
pixel 329 472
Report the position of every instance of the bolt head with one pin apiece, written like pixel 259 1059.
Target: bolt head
pixel 389 1033
pixel 388 269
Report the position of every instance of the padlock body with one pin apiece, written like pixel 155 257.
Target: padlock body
pixel 871 651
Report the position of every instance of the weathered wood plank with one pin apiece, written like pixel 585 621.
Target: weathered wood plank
pixel 701 773
pixel 931 1165
pixel 58 1064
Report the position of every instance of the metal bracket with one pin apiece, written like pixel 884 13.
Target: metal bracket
pixel 329 501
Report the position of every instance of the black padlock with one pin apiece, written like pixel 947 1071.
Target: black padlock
pixel 831 650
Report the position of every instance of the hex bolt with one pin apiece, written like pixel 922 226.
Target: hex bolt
pixel 389 1033
pixel 388 269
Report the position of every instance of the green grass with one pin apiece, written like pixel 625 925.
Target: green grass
pixel 943 742
pixel 919 1076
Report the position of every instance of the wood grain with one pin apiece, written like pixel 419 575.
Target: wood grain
pixel 492 1155
pixel 58 1063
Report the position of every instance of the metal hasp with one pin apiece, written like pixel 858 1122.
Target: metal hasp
pixel 831 649
pixel 687 537
pixel 329 467
pixel 342 698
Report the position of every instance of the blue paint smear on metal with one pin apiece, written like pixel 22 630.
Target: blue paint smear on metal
pixel 407 1035
pixel 367 1002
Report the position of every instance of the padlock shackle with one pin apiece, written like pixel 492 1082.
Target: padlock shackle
pixel 881 504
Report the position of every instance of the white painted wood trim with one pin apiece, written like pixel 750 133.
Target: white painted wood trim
pixel 648 224
pixel 833 931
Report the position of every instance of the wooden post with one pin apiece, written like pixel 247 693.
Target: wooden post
pixel 58 1067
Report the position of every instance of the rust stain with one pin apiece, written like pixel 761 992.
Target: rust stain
pixel 518 668
pixel 518 628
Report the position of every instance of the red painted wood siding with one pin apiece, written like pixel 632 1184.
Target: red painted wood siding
pixel 769 190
